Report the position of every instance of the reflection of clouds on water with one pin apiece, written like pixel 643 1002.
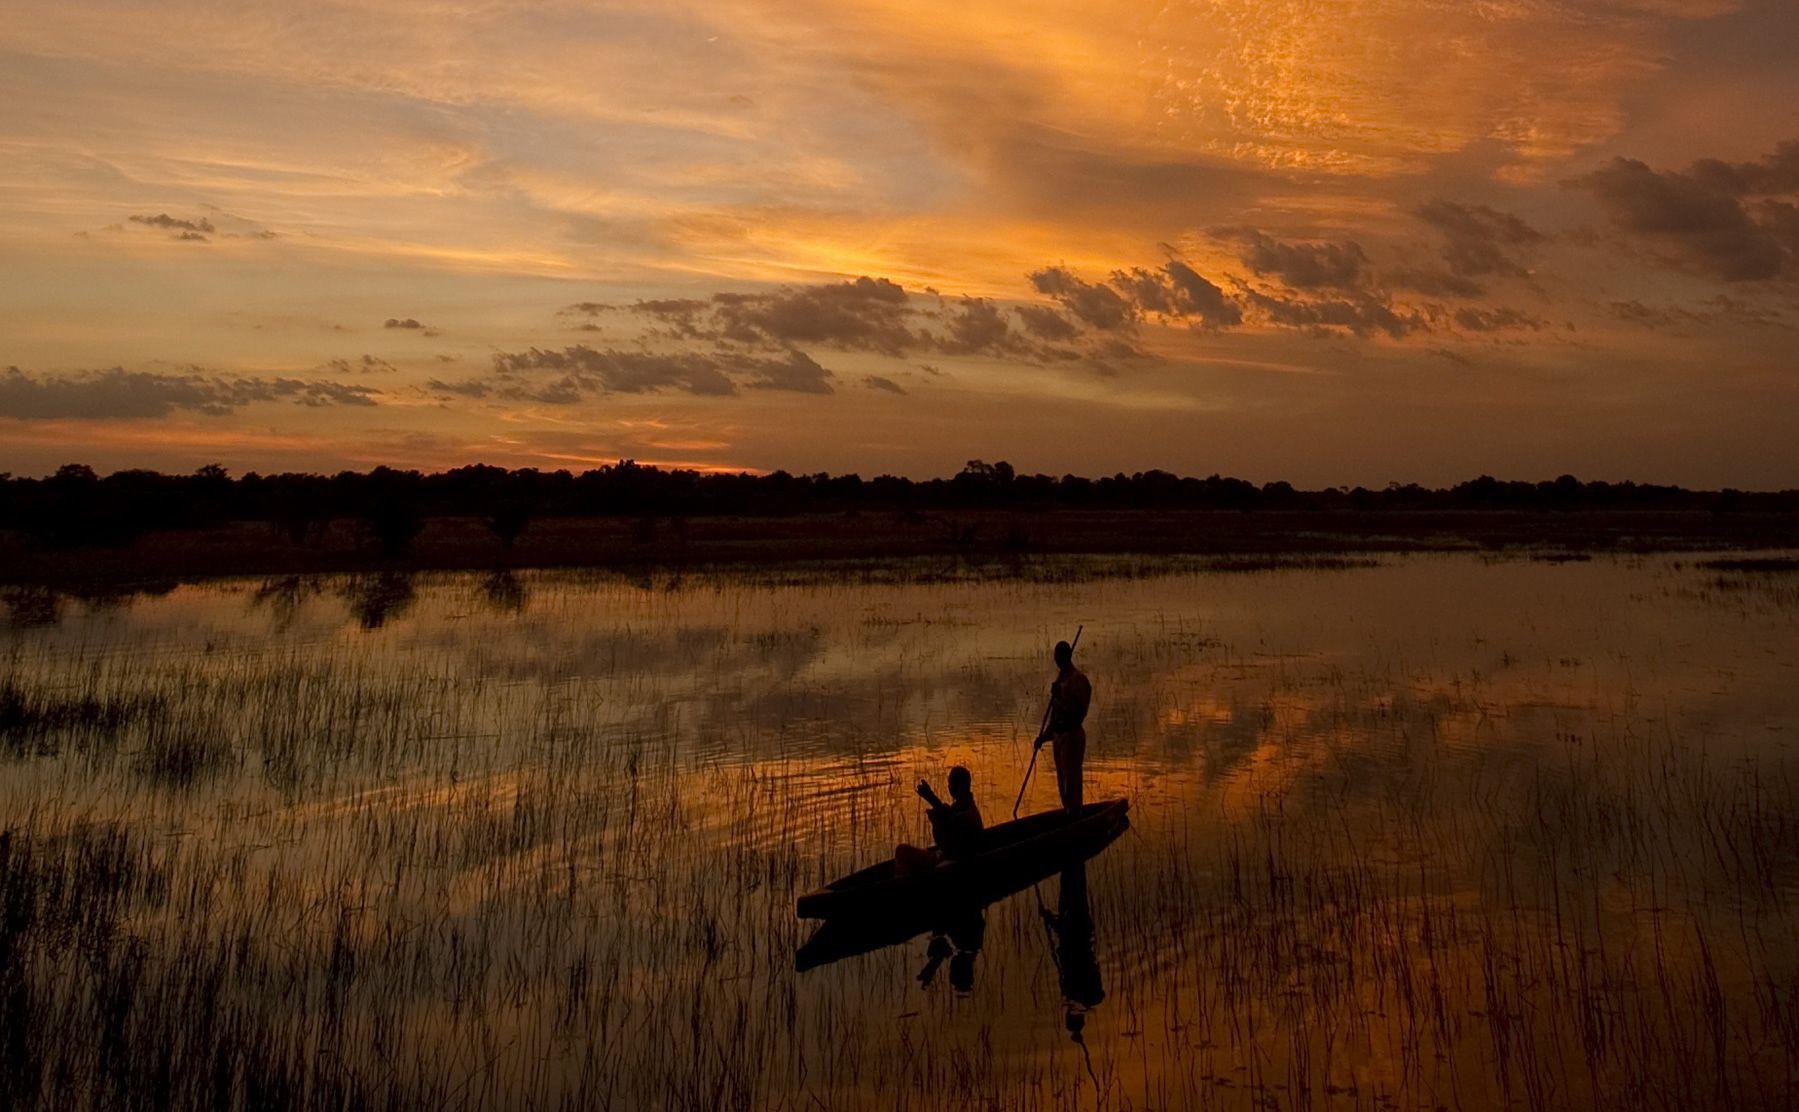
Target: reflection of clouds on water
pixel 606 787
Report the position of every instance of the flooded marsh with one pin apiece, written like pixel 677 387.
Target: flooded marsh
pixel 1409 831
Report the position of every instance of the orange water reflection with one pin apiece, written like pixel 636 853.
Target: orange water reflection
pixel 1439 831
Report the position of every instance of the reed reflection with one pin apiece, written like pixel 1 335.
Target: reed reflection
pixel 1443 826
pixel 32 607
pixel 377 599
pixel 503 591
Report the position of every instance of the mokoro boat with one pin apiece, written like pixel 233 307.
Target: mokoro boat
pixel 853 935
pixel 1023 850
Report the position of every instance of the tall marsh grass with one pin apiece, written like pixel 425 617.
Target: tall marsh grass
pixel 1435 832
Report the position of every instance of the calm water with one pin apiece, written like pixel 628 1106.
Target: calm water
pixel 1437 831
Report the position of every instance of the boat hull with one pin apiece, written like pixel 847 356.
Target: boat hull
pixel 1014 855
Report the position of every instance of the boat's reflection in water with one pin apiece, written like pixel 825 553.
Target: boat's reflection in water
pixel 957 927
pixel 958 938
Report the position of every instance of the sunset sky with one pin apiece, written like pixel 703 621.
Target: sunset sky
pixel 1327 241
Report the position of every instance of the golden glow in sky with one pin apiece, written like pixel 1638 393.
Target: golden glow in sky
pixel 1321 240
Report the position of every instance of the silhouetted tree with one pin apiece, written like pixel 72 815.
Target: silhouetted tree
pixel 76 506
pixel 509 519
pixel 396 522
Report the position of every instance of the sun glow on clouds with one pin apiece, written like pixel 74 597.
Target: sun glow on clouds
pixel 255 189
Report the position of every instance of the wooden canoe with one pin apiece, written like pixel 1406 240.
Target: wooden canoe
pixel 1017 852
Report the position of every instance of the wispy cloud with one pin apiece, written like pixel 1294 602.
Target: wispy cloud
pixel 174 224
pixel 573 374
pixel 118 393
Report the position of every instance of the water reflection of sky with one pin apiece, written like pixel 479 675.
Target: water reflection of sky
pixel 654 746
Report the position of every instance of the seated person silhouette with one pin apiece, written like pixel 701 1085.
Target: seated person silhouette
pixel 956 825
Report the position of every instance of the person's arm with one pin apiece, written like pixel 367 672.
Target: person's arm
pixel 924 790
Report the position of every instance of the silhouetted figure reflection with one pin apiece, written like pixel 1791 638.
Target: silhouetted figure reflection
pixel 1072 923
pixel 958 938
pixel 877 907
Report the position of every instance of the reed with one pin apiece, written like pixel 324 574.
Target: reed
pixel 1435 831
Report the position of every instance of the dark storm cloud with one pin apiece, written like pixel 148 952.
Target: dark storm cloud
pixel 1727 308
pixel 1147 290
pixel 1717 217
pixel 163 220
pixel 1434 283
pixel 312 392
pixel 798 372
pixel 580 370
pixel 1325 288
pixel 1496 320
pixel 1097 305
pixel 1175 291
pixel 1196 295
pixel 1303 266
pixel 976 325
pixel 867 314
pixel 462 388
pixel 1321 287
pixel 1775 174
pixel 1045 323
pixel 368 364
pixel 1663 317
pixel 118 393
pixel 1479 240
pixel 1721 309
pixel 877 316
pixel 881 382
pixel 1359 314
pixel 572 374
pixel 683 318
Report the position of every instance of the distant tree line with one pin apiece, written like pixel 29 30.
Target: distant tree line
pixel 76 506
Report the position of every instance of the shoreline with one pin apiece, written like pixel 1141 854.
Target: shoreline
pixel 978 536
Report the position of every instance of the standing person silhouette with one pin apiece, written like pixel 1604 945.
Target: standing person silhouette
pixel 1069 697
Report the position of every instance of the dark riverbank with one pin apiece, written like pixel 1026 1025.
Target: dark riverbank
pixel 444 543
